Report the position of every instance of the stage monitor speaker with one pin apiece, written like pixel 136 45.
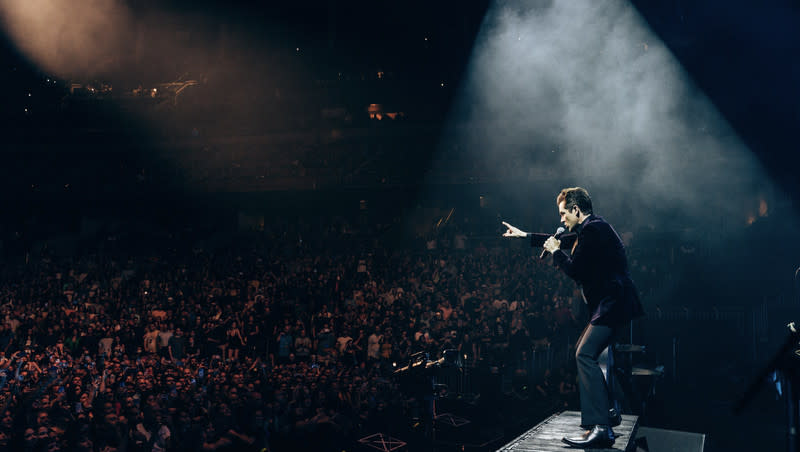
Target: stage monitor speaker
pixel 660 440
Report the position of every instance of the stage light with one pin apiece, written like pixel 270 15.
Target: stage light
pixel 56 38
pixel 593 81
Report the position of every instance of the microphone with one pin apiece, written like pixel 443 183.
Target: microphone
pixel 558 233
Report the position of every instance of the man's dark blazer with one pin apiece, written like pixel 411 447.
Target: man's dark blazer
pixel 598 264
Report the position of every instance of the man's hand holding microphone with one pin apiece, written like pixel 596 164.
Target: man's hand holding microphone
pixel 552 243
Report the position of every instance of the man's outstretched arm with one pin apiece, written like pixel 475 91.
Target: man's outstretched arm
pixel 537 238
pixel 514 231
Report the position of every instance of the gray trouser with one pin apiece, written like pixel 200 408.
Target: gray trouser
pixel 591 384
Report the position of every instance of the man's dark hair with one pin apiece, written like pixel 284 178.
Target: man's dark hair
pixel 576 196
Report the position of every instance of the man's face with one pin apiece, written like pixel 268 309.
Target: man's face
pixel 569 218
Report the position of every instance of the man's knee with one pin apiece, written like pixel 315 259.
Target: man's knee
pixel 583 357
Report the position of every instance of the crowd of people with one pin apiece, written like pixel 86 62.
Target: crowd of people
pixel 259 341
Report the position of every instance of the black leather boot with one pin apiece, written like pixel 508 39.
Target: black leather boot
pixel 600 436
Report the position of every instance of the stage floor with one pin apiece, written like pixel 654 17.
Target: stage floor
pixel 546 436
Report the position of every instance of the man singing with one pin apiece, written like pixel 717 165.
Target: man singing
pixel 598 264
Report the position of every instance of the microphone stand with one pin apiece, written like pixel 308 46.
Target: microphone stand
pixel 785 364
